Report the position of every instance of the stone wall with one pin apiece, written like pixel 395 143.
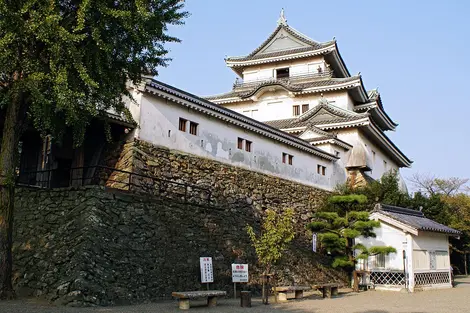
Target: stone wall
pixel 103 246
pixel 229 185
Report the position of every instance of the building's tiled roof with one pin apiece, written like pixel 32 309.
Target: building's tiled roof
pixel 313 45
pixel 243 93
pixel 414 219
pixel 311 117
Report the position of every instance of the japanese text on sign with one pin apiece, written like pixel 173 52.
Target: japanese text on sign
pixel 240 273
pixel 207 274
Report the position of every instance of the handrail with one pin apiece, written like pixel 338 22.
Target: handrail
pixel 298 76
pixel 78 176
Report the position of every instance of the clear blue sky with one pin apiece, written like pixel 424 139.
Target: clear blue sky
pixel 416 52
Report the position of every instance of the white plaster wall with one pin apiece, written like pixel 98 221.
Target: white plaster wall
pixel 352 136
pixel 387 235
pixel 277 105
pixel 217 140
pixel 431 241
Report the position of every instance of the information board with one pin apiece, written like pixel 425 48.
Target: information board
pixel 240 273
pixel 207 274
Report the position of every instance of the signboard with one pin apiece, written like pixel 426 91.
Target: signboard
pixel 314 242
pixel 240 273
pixel 207 274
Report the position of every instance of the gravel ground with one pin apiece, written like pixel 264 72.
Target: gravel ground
pixel 456 300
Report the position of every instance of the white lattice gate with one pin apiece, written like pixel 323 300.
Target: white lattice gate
pixel 432 278
pixel 387 278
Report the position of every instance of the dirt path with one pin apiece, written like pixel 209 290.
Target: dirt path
pixel 456 300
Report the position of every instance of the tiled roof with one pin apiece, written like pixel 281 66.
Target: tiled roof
pixel 415 219
pixel 313 45
pixel 295 87
pixel 311 117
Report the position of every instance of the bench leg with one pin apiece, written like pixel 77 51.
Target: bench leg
pixel 282 296
pixel 334 291
pixel 323 291
pixel 299 294
pixel 328 292
pixel 211 301
pixel 184 304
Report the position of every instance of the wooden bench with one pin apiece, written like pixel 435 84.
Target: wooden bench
pixel 328 290
pixel 283 290
pixel 185 296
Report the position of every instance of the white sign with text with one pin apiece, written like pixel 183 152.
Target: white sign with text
pixel 240 273
pixel 207 273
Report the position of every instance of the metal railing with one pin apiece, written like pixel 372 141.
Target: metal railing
pixel 292 78
pixel 113 178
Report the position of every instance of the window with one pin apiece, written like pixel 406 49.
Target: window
pixel 321 170
pixel 373 155
pixel 193 128
pixel 248 146
pixel 182 125
pixel 385 165
pixel 420 260
pixel 282 72
pixel 442 260
pixel 304 108
pixel 337 153
pixel 240 143
pixel 287 158
pixel 296 110
pixel 380 261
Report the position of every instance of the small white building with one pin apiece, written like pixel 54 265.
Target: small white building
pixel 422 258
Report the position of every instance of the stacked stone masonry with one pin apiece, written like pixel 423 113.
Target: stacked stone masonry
pixel 105 246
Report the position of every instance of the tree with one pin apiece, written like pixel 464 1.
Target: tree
pixel 63 62
pixel 277 231
pixel 338 231
pixel 433 185
pixel 385 190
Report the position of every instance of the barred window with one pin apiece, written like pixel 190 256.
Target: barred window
pixel 193 128
pixel 248 146
pixel 296 110
pixel 182 124
pixel 304 108
pixel 380 261
pixel 240 143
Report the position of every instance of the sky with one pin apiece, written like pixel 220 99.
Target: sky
pixel 416 53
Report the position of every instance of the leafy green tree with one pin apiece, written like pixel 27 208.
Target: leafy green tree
pixel 63 62
pixel 338 231
pixel 277 231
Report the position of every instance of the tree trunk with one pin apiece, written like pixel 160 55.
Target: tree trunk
pixel 8 156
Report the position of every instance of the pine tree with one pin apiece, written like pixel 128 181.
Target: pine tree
pixel 63 62
pixel 338 230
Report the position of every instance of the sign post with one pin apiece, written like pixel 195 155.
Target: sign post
pixel 239 275
pixel 314 242
pixel 207 273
